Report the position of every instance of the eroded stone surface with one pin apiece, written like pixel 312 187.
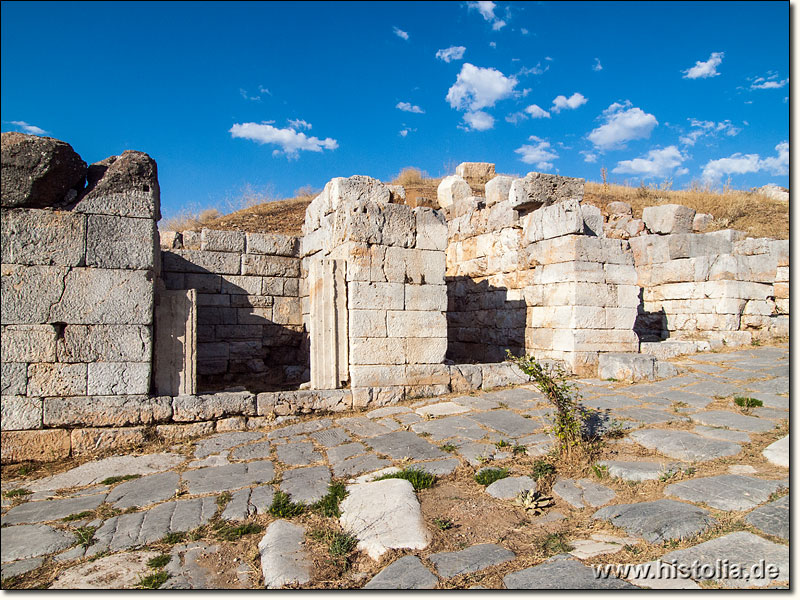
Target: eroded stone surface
pixel 145 490
pixel 224 441
pixel 404 444
pixel 51 510
pixel 29 541
pixel 583 492
pixel 772 518
pixel 658 521
pixel 448 427
pixel 469 560
pixel 298 453
pixel 637 470
pixel 119 571
pixel 509 487
pixel 724 418
pixel 406 573
pixel 307 484
pixel 562 572
pixel 726 492
pixel 778 452
pixel 283 559
pixel 228 477
pixel 684 445
pixel 506 422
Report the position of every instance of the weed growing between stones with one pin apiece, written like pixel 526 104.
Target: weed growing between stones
pixel 554 543
pixel 78 516
pixel 501 444
pixel 118 478
pixel 16 493
pixel 222 500
pixel 159 561
pixel 443 524
pixel 339 543
pixel 176 537
pixel 227 532
pixel 85 536
pixel 328 506
pixel 419 479
pixel 283 507
pixel 519 449
pixel 532 501
pixel 541 468
pixel 747 404
pixel 448 447
pixel 153 581
pixel 600 471
pixel 489 475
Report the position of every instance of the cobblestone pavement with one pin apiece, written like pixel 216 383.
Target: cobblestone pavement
pixel 685 474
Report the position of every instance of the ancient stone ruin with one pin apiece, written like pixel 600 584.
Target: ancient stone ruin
pixel 113 333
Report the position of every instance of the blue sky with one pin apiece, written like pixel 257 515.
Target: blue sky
pixel 270 97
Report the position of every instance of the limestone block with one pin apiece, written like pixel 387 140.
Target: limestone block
pixel 782 306
pixel 451 189
pixel 196 261
pixel 222 241
pixel 377 351
pixel 367 323
pixel 105 296
pixel 421 266
pixel 541 189
pixel 191 240
pixel 465 378
pixel 416 323
pixel 177 433
pixel 701 222
pixel 780 250
pixel 120 242
pixel 287 311
pixel 400 227
pixel 369 295
pixel 501 374
pixel 668 218
pixel 42 237
pixel 498 216
pixel 758 267
pixel 426 350
pixel 562 218
pixel 583 317
pixel 28 292
pixel 782 274
pixel 398 193
pixel 780 325
pixel 572 271
pixel 781 290
pixel 619 208
pixel 357 187
pixel 620 274
pixel 427 374
pixel 328 323
pixel 377 396
pixel 592 220
pixel 273 243
pixel 359 221
pixel 118 378
pixel 270 266
pixel 20 413
pixel 13 378
pixel 213 406
pixel 203 282
pixel 103 411
pixel 28 343
pixel 56 379
pixel 749 246
pixel 626 367
pixel 426 297
pixel 465 206
pixel 89 441
pixel 376 376
pixel 431 229
pixel 497 189
pixel 41 445
pixel 476 170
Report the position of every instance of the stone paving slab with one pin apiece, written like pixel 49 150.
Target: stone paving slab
pixel 252 451
pixel 506 422
pixel 304 427
pixel 562 572
pixel 726 492
pixel 776 385
pixel 662 576
pixel 477 454
pixel 298 453
pixel 188 572
pixel 448 427
pixel 283 559
pixel 729 435
pixel 339 453
pixel 659 520
pixel 404 444
pixel 519 398
pixel 638 470
pixel 610 402
pixel 406 573
pixel 649 416
pixel 767 412
pixel 509 488
pixel 387 411
pixel 261 498
pixel 51 510
pixel 362 427
pixel 470 560
pixel 328 438
pixel 119 571
pixel 224 441
pixel 29 541
pixel 442 409
pixel 307 484
pixel 145 490
pixel 359 464
pixel 390 423
pixel 238 507
pixel 477 402
pixel 715 389
pixel 724 418
pixel 772 518
pixel 778 452
pixel 228 477
pixel 20 567
pixel 684 445
pixel 739 548
pixel 583 493
pixel 407 418
pixel 599 544
pixel 439 467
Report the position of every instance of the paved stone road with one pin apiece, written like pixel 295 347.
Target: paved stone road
pixel 683 421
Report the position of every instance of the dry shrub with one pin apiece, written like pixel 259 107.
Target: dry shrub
pixel 410 176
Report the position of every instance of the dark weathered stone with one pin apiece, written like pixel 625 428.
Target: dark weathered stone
pixel 562 573
pixel 726 492
pixel 772 518
pixel 125 185
pixel 469 560
pixel 658 521
pixel 406 573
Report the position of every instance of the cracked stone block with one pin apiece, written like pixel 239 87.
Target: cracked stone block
pixel 120 242
pixel 726 492
pixel 119 571
pixel 19 413
pixel 506 422
pixel 582 493
pixel 329 438
pixel 307 484
pixel 404 444
pixel 439 467
pixel 358 464
pixel 51 510
pixel 228 477
pixel 684 445
pixel 562 572
pixel 283 558
pixel 251 451
pixel 300 428
pixel 722 434
pixel 224 441
pixel 658 521
pixel 406 573
pixel 144 490
pixel 638 470
pixel 298 453
pixel 724 418
pixel 457 426
pixel 772 518
pixel 29 541
pixel 470 560
pixel 441 409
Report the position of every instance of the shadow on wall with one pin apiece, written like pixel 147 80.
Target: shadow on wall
pixel 239 344
pixel 650 326
pixel 482 323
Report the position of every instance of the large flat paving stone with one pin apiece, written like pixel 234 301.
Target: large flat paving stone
pixel 610 402
pixel 20 542
pixel 298 453
pixel 307 484
pixel 252 451
pixel 238 507
pixel 660 576
pixel 448 427
pixel 283 559
pixel 518 398
pixel 600 543
pixel 189 569
pixel 20 567
pixel 406 573
pixel 659 520
pixel 141 528
pixel 684 445
pixel 145 490
pixel 384 515
pixel 470 560
pixel 387 411
pixel 51 510
pixel 729 435
pixel 772 518
pixel 328 438
pixel 582 493
pixel 116 572
pixel 228 477
pixel 778 452
pixel 726 492
pixel 741 548
pixel 509 488
pixel 439 467
pixel 476 454
pixel 477 402
pixel 649 416
pixel 345 451
pixel 405 444
pixel 96 471
pixel 724 418
pixel 362 426
pixel 356 465
pixel 224 441
pixel 506 422
pixel 688 398
pixel 442 409
pixel 296 429
pixel 562 572
pixel 776 385
pixel 717 389
pixel 638 470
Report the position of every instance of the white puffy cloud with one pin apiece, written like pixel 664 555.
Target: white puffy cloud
pixel 623 122
pixel 478 120
pixel 589 157
pixel 486 9
pixel 450 54
pixel 737 164
pixel 656 163
pixel 299 124
pixel 408 107
pixel 597 66
pixel 243 93
pixel 538 153
pixel 28 128
pixel 536 112
pixel 702 129
pixel 476 88
pixel 769 82
pixel 537 70
pixel 524 31
pixel 701 69
pixel 400 33
pixel 516 117
pixel 289 140
pixel 562 102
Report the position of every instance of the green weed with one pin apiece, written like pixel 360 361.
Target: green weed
pixel 153 581
pixel 78 516
pixel 230 533
pixel 283 507
pixel 328 506
pixel 443 524
pixel 419 479
pixel 118 478
pixel 490 475
pixel 542 468
pixel 159 561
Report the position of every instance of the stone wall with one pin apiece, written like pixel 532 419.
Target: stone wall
pixel 249 322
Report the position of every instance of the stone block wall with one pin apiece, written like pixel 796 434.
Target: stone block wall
pixel 249 317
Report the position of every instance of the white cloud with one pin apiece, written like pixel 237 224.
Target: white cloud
pixel 246 96
pixel 299 124
pixel 536 112
pixel 400 33
pixel 656 163
pixel 477 88
pixel 562 102
pixel 403 132
pixel 539 153
pixel 738 163
pixel 28 128
pixel 597 66
pixel 264 90
pixel 701 70
pixel 708 128
pixel 492 44
pixel 770 82
pixel 589 157
pixel 408 107
pixel 524 31
pixel 290 141
pixel 450 54
pixel 516 117
pixel 537 70
pixel 478 120
pixel 486 9
pixel 623 123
